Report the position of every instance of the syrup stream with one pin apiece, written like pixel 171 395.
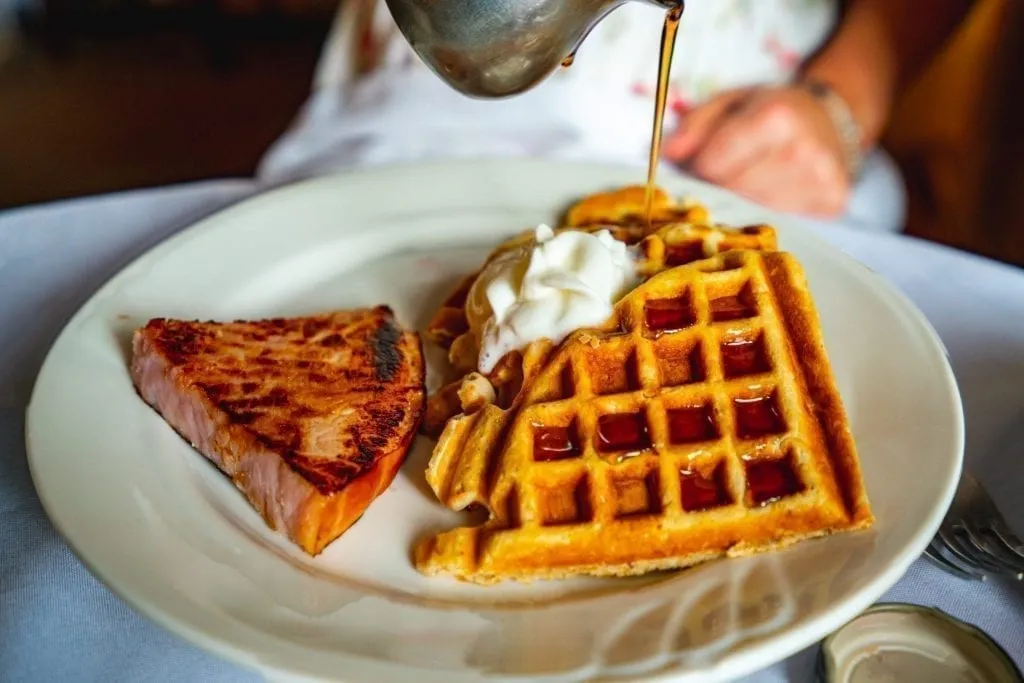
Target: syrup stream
pixel 668 42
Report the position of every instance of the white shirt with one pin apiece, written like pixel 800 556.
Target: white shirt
pixel 376 102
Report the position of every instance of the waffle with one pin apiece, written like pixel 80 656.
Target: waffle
pixel 702 421
pixel 670 245
pixel 626 207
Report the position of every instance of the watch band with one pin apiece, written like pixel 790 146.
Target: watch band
pixel 850 134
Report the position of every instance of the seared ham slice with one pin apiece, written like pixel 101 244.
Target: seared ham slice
pixel 310 417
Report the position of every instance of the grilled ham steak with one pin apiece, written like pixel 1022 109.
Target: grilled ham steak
pixel 310 417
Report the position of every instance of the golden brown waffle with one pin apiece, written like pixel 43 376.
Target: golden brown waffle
pixel 671 245
pixel 701 421
pixel 626 206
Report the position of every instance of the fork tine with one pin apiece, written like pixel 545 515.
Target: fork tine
pixel 970 546
pixel 1007 538
pixel 974 537
pixel 989 542
pixel 936 553
pixel 966 567
pixel 987 529
pixel 963 554
pixel 956 553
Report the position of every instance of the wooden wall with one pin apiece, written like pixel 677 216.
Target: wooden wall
pixel 957 135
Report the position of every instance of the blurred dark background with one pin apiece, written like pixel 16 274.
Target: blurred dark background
pixel 105 95
pixel 101 95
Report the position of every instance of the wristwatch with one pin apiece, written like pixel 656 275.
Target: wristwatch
pixel 850 134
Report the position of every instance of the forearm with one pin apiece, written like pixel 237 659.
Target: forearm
pixel 879 46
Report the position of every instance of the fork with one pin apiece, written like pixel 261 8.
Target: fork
pixel 974 541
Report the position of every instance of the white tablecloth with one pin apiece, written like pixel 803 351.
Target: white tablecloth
pixel 58 623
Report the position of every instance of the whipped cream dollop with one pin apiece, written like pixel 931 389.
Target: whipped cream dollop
pixel 547 289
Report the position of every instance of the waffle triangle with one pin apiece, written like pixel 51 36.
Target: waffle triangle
pixel 701 421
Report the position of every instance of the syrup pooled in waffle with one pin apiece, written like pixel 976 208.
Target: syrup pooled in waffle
pixel 703 421
pixel 670 246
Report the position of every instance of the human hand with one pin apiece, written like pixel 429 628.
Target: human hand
pixel 775 145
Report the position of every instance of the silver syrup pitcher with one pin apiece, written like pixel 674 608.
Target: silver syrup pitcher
pixel 499 48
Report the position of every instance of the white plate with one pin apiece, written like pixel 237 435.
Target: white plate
pixel 172 536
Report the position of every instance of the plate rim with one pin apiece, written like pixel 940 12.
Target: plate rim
pixel 739 663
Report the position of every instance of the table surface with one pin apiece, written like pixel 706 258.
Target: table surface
pixel 58 623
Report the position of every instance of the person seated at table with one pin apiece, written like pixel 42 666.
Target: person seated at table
pixel 782 101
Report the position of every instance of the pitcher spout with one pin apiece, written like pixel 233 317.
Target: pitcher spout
pixel 500 48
